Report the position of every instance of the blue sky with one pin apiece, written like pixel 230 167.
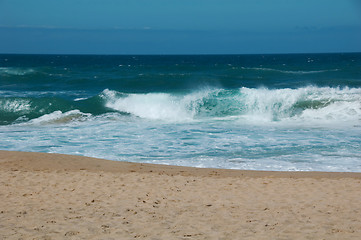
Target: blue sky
pixel 179 26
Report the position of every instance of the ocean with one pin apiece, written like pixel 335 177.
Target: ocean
pixel 291 112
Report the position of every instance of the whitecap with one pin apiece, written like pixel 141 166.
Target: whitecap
pixel 58 117
pixel 15 71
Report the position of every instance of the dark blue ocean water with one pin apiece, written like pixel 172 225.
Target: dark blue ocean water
pixel 265 112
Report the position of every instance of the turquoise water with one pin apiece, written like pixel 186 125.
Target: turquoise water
pixel 264 112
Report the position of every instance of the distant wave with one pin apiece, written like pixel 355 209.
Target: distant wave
pixel 288 71
pixel 15 71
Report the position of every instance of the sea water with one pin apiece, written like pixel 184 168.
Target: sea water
pixel 293 112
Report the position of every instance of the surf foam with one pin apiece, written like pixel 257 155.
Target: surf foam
pixel 57 117
pixel 251 104
pixel 15 71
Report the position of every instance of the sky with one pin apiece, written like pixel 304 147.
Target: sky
pixel 179 26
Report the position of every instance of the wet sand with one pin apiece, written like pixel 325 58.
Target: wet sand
pixel 54 196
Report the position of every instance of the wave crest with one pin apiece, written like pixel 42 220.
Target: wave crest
pixel 250 105
pixel 299 72
pixel 150 106
pixel 263 105
pixel 15 71
pixel 58 117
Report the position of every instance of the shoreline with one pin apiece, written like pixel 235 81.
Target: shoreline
pixel 56 196
pixel 54 161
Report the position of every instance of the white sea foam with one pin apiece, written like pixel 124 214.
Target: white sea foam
pixel 58 117
pixel 16 105
pixel 334 104
pixel 269 105
pixel 79 99
pixel 150 106
pixel 262 105
pixel 15 71
pixel 288 71
pixel 337 112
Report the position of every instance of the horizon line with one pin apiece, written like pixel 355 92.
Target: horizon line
pixel 181 54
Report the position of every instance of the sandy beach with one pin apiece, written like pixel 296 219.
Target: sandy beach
pixel 54 196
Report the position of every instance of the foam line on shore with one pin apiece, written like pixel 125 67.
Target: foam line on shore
pixel 32 161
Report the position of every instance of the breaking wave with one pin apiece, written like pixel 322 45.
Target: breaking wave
pixel 252 105
pixel 299 72
pixel 265 105
pixel 15 71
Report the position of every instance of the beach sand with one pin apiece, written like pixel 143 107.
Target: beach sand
pixel 54 196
